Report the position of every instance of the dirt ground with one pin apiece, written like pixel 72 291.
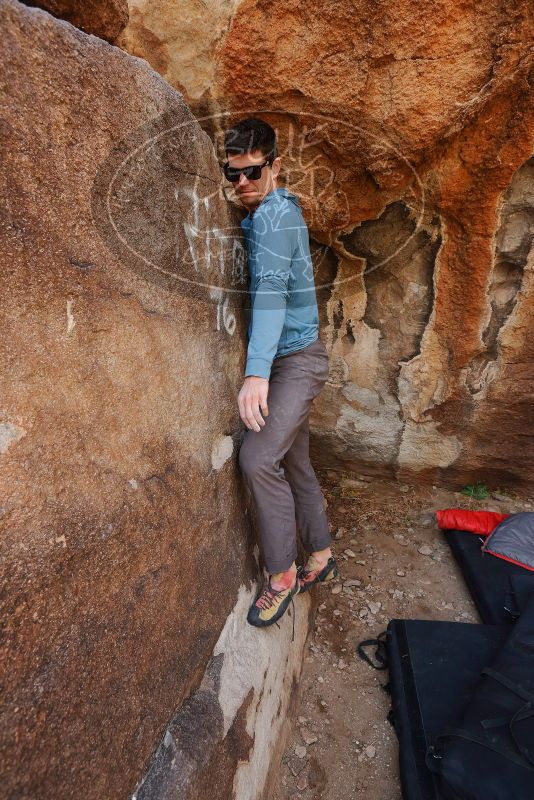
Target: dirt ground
pixel 394 563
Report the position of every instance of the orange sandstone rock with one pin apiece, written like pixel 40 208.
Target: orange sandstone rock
pixel 405 130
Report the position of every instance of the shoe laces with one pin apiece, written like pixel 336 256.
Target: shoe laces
pixel 269 595
pixel 293 611
pixel 267 599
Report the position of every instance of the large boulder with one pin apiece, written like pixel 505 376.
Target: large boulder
pixel 103 18
pixel 127 550
pixel 406 131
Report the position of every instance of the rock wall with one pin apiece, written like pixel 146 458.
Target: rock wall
pixel 407 131
pixel 103 18
pixel 126 550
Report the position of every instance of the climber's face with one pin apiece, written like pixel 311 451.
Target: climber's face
pixel 251 190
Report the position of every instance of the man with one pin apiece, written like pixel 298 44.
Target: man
pixel 287 364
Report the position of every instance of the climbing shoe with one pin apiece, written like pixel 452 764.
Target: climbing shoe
pixel 271 604
pixel 308 578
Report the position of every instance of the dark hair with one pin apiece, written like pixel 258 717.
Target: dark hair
pixel 251 134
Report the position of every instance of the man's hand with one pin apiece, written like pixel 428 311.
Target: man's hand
pixel 251 398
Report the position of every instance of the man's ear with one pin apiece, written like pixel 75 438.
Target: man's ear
pixel 276 166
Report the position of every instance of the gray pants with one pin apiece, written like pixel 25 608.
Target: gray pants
pixel 275 461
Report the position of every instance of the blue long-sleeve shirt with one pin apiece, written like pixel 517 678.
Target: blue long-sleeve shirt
pixel 284 315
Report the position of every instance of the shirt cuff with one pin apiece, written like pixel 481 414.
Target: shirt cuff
pixel 260 367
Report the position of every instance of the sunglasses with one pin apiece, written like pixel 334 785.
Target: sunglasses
pixel 253 172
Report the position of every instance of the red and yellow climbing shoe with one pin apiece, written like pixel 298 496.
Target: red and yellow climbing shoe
pixel 271 604
pixel 309 577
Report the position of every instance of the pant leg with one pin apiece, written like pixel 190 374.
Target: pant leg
pixel 259 458
pixel 295 381
pixel 307 495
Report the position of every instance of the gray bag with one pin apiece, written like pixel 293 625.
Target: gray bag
pixel 513 540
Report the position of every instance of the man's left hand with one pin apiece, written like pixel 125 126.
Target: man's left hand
pixel 251 398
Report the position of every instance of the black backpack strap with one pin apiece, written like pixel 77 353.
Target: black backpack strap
pixel 514 687
pixel 380 656
pixel 434 751
pixel 522 714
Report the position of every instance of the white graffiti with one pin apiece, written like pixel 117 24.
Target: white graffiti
pixel 209 248
pixel 225 318
pixel 70 316
pixel 213 248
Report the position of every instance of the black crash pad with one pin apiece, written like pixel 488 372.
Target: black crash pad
pixel 488 752
pixel 487 577
pixel 521 589
pixel 434 668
